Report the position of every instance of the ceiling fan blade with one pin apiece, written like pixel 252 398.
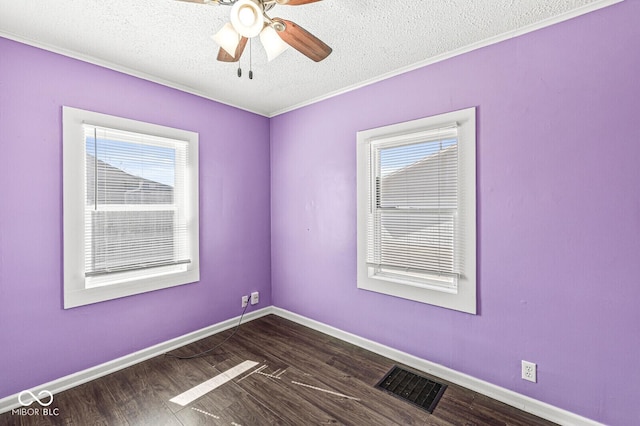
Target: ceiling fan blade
pixel 296 2
pixel 301 40
pixel 224 56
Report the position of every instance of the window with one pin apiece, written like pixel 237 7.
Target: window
pixel 130 207
pixel 417 212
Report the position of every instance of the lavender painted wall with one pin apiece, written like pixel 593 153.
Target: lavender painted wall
pixel 39 341
pixel 558 213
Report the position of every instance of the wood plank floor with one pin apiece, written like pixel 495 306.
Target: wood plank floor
pixel 303 377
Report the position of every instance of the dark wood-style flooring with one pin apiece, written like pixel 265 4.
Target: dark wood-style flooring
pixel 309 379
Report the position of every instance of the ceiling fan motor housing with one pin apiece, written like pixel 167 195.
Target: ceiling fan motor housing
pixel 247 17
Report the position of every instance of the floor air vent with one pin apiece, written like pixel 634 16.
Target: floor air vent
pixel 413 388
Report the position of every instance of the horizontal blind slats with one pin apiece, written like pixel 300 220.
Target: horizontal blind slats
pixel 134 214
pixel 413 202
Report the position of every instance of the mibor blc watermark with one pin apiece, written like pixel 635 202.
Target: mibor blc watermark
pixel 44 398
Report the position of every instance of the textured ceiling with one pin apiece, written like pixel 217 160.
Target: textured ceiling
pixel 169 41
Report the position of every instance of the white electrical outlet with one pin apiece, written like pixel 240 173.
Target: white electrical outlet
pixel 529 371
pixel 255 298
pixel 245 301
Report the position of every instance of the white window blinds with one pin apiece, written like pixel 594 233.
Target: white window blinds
pixel 135 221
pixel 413 206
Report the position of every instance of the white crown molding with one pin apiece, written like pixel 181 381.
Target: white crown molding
pixel 465 49
pixel 483 43
pixel 119 68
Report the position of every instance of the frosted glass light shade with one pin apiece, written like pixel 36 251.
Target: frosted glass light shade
pixel 227 38
pixel 272 43
pixel 246 17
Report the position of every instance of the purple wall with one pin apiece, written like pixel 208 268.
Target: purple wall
pixel 39 341
pixel 558 213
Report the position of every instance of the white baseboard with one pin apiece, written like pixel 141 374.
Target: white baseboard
pixel 56 386
pixel 514 399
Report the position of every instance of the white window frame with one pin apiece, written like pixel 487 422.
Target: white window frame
pixel 77 289
pixel 462 297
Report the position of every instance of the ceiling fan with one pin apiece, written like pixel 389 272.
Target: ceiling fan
pixel 249 19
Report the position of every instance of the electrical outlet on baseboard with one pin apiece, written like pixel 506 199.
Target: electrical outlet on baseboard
pixel 529 371
pixel 255 298
pixel 245 301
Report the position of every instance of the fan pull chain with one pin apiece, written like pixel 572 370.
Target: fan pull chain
pixel 239 67
pixel 250 63
pixel 250 59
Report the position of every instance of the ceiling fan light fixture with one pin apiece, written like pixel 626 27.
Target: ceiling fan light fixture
pixel 272 43
pixel 227 38
pixel 247 18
